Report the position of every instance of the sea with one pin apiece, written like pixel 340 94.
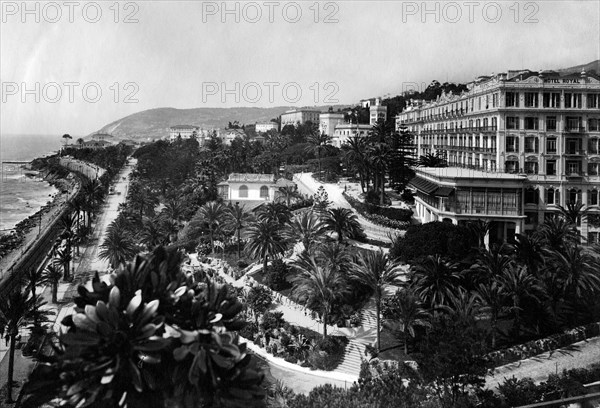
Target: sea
pixel 22 191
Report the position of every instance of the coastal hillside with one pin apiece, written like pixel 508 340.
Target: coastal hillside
pixel 590 66
pixel 154 123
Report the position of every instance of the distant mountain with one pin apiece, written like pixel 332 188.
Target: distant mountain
pixel 590 66
pixel 155 123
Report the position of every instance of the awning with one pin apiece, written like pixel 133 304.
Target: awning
pixel 443 191
pixel 423 185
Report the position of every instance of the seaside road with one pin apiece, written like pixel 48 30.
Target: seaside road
pixel 84 266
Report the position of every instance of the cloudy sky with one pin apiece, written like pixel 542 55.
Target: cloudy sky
pixel 74 68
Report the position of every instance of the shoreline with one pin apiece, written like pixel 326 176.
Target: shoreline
pixel 18 239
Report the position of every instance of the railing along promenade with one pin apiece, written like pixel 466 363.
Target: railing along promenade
pixel 35 252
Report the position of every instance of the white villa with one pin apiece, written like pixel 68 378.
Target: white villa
pixel 252 190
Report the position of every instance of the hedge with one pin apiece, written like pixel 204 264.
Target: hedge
pixel 389 217
pixel 535 347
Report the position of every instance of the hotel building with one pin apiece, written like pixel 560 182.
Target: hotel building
pixel 518 144
pixel 295 116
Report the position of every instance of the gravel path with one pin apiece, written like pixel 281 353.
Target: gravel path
pixel 578 355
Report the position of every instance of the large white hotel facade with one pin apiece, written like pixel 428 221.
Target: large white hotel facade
pixel 518 144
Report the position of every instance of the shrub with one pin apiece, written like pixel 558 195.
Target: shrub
pixel 519 392
pixel 328 353
pixel 276 277
pixel 434 238
pixel 249 331
pixel 271 321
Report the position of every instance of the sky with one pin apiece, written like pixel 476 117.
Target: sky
pixel 73 67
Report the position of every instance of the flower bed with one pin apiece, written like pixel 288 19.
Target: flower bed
pixel 295 344
pixel 534 347
pixel 397 218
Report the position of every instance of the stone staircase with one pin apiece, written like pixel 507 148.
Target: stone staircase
pixel 355 354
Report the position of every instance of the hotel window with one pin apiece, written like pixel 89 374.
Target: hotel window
pixel 551 146
pixel 494 123
pixel 574 196
pixel 478 124
pixel 593 169
pixel 512 166
pixel 531 145
pixel 592 197
pixel 512 144
pixel 243 191
pixel 492 165
pixel 531 168
pixel 593 237
pixel 593 146
pixel 494 100
pixel 593 125
pixel 512 99
pixel 485 124
pixel 550 122
pixel 264 192
pixel 551 167
pixel 573 123
pixel 512 122
pixel 551 100
pixel 592 101
pixel 573 167
pixel 531 99
pixel 531 196
pixel 531 123
pixel 551 196
pixel 572 100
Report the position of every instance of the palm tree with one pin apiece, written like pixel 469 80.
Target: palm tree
pixel 528 250
pixel 491 263
pixel 337 256
pixel 464 306
pixel 63 258
pixel 80 142
pixel 212 215
pixel 355 156
pixel 343 222
pixel 237 219
pixel 318 285
pixel 174 211
pixel 32 279
pixel 318 143
pixel 377 272
pixel 577 272
pixel 17 310
pixel 306 228
pixel 492 296
pixel 52 275
pixel 574 213
pixel 379 156
pixel 94 193
pixel 264 240
pixel 435 280
pixel 286 193
pixel 518 285
pixel 557 233
pixel 432 160
pixel 405 312
pixel 480 229
pixel 152 234
pixel 118 247
pixel 274 212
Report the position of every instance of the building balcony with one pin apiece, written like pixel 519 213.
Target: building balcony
pixel 575 152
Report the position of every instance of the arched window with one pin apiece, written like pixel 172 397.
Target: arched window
pixel 574 196
pixel 243 191
pixel 531 196
pixel 264 192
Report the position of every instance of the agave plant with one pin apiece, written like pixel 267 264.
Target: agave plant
pixel 151 337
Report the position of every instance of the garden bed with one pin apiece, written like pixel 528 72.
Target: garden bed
pixel 297 345
pixel 389 217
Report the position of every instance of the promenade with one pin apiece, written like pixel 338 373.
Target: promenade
pixel 83 267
